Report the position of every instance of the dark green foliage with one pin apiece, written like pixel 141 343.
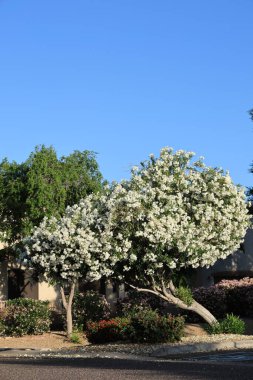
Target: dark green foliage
pixel 81 175
pixel 250 190
pixel 147 326
pixel 24 316
pixel 136 301
pixel 106 331
pixel 230 325
pixel 45 187
pixel 42 186
pixel 13 195
pixel 89 306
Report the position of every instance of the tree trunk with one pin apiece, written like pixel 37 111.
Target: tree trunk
pixel 69 321
pixel 203 312
pixel 68 308
pixel 168 293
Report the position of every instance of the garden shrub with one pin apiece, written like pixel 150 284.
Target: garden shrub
pixel 89 306
pixel 147 326
pixel 24 316
pixel 229 325
pixel 213 298
pixel 227 296
pixel 107 330
pixel 239 296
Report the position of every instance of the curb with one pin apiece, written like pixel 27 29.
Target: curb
pixel 202 347
pixel 162 353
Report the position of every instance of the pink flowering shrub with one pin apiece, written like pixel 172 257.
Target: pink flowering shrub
pixel 239 296
pixel 227 296
pixel 213 298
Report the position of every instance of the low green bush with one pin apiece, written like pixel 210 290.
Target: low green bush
pixel 147 326
pixel 89 306
pixel 75 338
pixel 24 316
pixel 229 325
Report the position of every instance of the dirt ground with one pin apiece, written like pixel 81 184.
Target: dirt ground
pixel 52 340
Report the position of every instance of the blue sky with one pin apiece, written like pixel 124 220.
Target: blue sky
pixel 126 77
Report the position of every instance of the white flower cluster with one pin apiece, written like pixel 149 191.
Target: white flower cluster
pixel 178 213
pixel 172 213
pixel 68 249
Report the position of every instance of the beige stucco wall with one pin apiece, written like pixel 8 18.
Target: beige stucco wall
pixel 238 263
pixel 41 291
pixel 49 293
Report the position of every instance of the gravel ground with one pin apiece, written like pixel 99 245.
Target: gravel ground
pixel 147 349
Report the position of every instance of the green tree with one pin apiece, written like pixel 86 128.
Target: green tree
pixel 81 175
pixel 250 190
pixel 43 185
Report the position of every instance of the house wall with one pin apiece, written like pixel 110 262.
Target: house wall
pixel 41 291
pixel 239 264
pixel 49 293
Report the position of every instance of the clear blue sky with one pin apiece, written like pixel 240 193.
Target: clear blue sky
pixel 127 77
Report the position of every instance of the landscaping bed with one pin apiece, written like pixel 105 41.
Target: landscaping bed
pixel 194 333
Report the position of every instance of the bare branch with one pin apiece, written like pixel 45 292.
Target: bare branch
pixel 172 287
pixel 144 290
pixel 154 285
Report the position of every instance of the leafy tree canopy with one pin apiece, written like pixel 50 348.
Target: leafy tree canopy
pixel 43 185
pixel 250 190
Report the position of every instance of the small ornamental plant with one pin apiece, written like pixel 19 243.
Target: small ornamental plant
pixel 229 325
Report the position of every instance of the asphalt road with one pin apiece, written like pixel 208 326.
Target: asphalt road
pixel 115 369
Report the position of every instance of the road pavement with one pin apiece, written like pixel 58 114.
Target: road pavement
pixel 121 369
